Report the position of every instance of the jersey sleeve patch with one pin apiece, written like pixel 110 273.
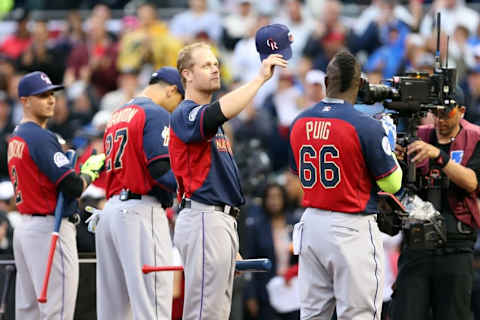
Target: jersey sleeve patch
pixel 60 159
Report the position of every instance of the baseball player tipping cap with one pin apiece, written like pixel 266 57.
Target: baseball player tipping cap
pixel 169 75
pixel 274 38
pixel 36 83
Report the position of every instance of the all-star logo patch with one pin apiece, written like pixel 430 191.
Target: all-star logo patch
pixel 60 159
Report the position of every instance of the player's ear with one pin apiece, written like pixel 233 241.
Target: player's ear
pixel 187 74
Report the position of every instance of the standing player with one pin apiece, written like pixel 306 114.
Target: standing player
pixel 39 170
pixel 341 157
pixel 208 180
pixel 134 229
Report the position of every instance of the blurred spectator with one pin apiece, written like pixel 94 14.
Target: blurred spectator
pixel 6 125
pixel 388 58
pixel 454 13
pixel 268 236
pixel 460 54
pixel 238 24
pixel 7 71
pixel 40 55
pixel 7 203
pixel 127 88
pixel 61 122
pixel 328 37
pixel 414 49
pixel 294 195
pixel 147 40
pixel 375 12
pixel 314 89
pixel 246 61
pixel 472 114
pixel 197 19
pixel 95 59
pixel 300 24
pixel 14 45
pixel 82 108
pixel 72 35
pixel 315 7
pixel 284 105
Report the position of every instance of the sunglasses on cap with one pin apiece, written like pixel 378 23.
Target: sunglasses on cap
pixel 446 114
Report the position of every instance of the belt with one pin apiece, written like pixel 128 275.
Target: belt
pixel 231 211
pixel 75 218
pixel 129 195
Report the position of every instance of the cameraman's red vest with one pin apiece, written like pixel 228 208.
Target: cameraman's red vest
pixel 466 208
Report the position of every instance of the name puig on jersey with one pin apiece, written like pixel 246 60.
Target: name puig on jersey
pixel 317 129
pixel 15 149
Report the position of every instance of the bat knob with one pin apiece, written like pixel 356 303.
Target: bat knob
pixel 42 300
pixel 267 265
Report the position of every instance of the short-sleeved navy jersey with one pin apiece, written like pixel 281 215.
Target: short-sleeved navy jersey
pixel 203 165
pixel 36 165
pixel 338 154
pixel 136 135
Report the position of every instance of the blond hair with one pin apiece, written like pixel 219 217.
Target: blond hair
pixel 185 59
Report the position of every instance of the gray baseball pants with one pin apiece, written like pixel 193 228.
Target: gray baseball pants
pixel 130 234
pixel 208 243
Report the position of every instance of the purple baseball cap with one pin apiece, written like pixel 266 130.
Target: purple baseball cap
pixel 274 38
pixel 36 83
pixel 169 75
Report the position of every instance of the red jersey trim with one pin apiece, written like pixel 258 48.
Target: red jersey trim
pixel 386 173
pixel 64 176
pixel 157 157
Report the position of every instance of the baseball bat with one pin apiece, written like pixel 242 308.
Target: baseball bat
pixel 9 269
pixel 248 265
pixel 53 242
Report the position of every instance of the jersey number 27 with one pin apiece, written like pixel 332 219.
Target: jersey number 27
pixel 121 136
pixel 312 163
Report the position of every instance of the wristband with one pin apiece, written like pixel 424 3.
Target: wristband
pixel 87 178
pixel 442 159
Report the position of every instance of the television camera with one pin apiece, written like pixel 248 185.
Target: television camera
pixel 412 96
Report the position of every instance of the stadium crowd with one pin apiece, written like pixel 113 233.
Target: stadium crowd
pixel 103 67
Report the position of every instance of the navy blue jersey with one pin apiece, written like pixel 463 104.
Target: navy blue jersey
pixel 37 165
pixel 136 135
pixel 339 153
pixel 203 165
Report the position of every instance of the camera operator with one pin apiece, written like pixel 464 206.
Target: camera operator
pixel 448 165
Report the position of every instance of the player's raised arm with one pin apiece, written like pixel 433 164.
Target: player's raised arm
pixel 234 102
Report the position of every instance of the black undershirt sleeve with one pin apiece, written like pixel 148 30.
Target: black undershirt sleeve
pixel 71 185
pixel 213 118
pixel 158 168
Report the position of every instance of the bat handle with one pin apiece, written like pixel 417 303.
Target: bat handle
pixel 9 269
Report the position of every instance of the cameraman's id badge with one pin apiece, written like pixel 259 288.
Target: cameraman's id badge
pixel 297 238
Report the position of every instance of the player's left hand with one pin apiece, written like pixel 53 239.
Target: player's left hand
pixel 93 166
pixel 268 64
pixel 93 219
pixel 422 151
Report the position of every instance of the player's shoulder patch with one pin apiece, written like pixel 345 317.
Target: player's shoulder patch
pixel 386 146
pixel 60 159
pixel 192 115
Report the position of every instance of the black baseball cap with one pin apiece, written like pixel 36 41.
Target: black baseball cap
pixel 274 38
pixel 459 97
pixel 36 83
pixel 169 75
